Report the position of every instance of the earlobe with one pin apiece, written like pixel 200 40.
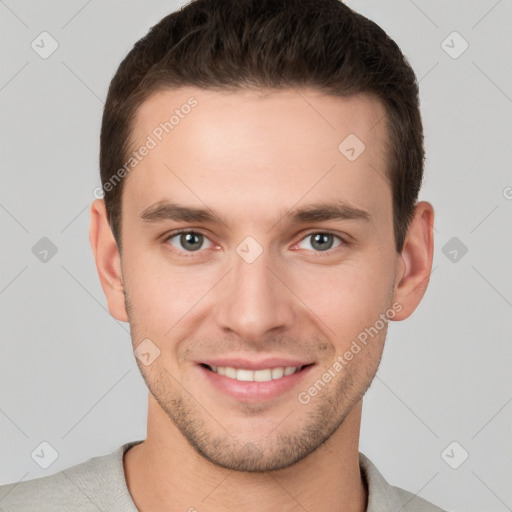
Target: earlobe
pixel 108 260
pixel 415 261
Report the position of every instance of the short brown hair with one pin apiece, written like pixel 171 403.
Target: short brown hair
pixel 274 44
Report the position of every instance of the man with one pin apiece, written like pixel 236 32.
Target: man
pixel 260 163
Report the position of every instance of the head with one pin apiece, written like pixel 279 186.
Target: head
pixel 285 137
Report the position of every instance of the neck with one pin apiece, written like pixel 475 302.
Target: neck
pixel 166 473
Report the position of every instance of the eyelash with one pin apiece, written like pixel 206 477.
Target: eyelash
pixel 188 254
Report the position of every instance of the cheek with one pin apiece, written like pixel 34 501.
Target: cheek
pixel 161 294
pixel 347 298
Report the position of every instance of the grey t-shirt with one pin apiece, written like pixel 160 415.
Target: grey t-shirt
pixel 99 485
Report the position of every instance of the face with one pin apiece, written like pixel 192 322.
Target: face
pixel 256 238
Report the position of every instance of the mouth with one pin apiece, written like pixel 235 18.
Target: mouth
pixel 244 384
pixel 262 375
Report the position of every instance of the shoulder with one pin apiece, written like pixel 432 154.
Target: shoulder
pixel 383 497
pixel 96 484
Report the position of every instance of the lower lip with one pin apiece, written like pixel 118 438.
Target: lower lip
pixel 255 391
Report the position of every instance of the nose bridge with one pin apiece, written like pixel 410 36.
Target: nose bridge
pixel 254 301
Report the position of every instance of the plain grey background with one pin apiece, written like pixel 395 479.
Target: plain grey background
pixel 67 372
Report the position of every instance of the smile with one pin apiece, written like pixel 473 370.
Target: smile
pixel 263 375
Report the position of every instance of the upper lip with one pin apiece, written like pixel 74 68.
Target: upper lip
pixel 251 364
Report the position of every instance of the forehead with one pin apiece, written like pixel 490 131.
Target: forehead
pixel 266 111
pixel 268 147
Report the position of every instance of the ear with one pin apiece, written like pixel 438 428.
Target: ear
pixel 415 263
pixel 108 260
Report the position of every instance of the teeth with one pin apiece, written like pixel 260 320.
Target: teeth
pixel 257 375
pixel 245 375
pixel 277 373
pixel 229 372
pixel 262 375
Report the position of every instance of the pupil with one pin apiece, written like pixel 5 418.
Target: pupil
pixel 188 240
pixel 323 240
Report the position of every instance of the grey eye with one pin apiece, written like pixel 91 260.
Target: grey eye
pixel 189 241
pixel 322 241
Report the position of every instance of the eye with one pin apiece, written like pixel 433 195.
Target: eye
pixel 322 241
pixel 190 241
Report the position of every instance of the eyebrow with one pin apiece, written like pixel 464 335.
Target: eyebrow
pixel 339 210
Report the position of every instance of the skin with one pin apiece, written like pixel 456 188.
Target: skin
pixel 253 156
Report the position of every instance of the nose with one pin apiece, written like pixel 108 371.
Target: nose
pixel 254 300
